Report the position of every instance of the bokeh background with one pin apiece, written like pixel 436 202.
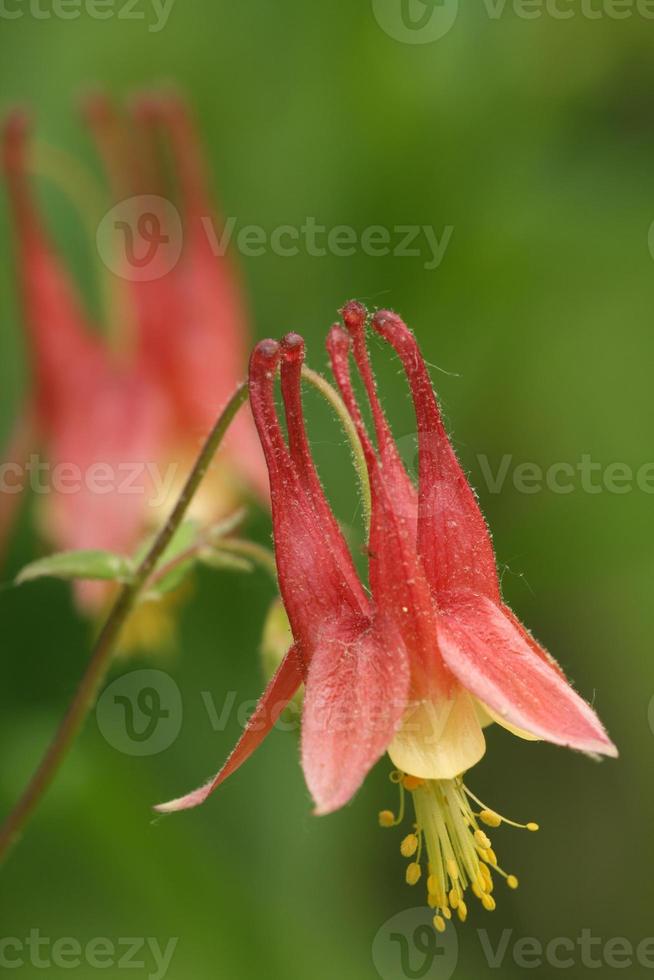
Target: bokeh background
pixel 534 139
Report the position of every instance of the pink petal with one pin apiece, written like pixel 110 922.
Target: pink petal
pixel 494 657
pixel 277 695
pixel 356 694
pixel 122 429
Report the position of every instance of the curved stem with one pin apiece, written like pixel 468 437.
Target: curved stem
pixel 332 396
pixel 257 553
pixel 101 658
pixel 260 555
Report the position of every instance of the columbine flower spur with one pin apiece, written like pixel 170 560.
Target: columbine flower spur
pixel 421 663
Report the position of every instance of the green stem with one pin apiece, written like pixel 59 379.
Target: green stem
pixel 261 556
pixel 332 396
pixel 102 655
pixel 249 549
pixel 191 553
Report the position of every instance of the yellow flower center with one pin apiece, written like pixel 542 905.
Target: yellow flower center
pixel 449 840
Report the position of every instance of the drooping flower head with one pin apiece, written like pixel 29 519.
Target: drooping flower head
pixel 142 402
pixel 417 666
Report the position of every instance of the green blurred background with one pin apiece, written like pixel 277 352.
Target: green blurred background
pixel 534 139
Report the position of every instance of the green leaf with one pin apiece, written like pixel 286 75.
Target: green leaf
pixel 78 564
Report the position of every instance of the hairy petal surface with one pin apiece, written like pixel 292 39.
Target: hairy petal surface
pixel 356 693
pixel 309 552
pixel 492 656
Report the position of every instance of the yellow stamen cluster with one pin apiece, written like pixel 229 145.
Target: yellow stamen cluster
pixel 459 853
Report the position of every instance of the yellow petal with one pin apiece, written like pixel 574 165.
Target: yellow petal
pixel 440 738
pixel 482 714
pixel 493 715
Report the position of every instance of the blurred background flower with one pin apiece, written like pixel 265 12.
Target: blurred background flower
pixel 533 140
pixel 121 417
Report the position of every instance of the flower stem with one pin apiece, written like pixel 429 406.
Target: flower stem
pixel 239 547
pixel 332 396
pixel 103 651
pixel 261 556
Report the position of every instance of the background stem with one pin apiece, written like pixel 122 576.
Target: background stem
pixel 332 396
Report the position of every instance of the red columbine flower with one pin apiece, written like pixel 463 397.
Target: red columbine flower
pixel 418 666
pixel 111 417
pixel 192 330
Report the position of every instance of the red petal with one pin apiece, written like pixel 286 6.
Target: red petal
pixel 292 359
pixel 453 539
pixel 276 697
pixel 401 489
pixel 399 497
pixel 309 557
pixel 397 580
pixel 356 694
pixel 89 412
pixel 67 357
pixel 493 656
pixel 194 321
